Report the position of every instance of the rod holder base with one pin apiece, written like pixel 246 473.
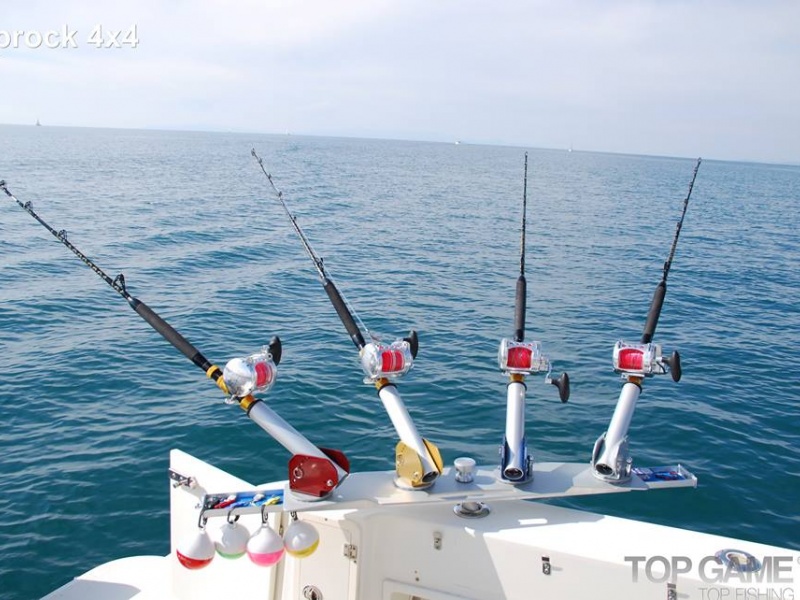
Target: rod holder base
pixel 313 476
pixel 612 465
pixel 527 477
pixel 411 473
pixel 514 475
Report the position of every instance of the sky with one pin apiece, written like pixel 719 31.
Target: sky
pixel 712 78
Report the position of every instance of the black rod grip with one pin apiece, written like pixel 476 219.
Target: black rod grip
pixel 655 312
pixel 344 313
pixel 168 333
pixel 519 309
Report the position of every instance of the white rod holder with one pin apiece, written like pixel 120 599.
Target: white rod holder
pixel 514 465
pixel 406 430
pixel 610 459
pixel 287 436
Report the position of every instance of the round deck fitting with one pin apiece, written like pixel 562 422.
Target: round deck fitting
pixel 471 510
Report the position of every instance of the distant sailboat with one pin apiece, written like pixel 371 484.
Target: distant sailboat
pixel 37 123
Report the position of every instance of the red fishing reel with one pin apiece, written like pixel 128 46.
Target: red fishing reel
pixel 645 360
pixel 526 358
pixel 523 358
pixel 381 361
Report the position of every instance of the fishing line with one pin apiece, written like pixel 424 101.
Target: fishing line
pixel 346 312
pixel 679 225
pixel 118 283
pixel 142 309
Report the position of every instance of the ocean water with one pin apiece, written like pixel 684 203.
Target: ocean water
pixel 416 235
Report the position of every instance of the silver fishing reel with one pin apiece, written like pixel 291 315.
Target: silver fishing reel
pixel 386 361
pixel 527 358
pixel 645 360
pixel 250 374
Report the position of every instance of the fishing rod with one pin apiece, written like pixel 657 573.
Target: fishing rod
pixel 344 312
pixel 418 461
pixel 611 460
pixel 239 380
pixel 517 359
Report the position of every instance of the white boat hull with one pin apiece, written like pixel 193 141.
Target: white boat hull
pixel 421 550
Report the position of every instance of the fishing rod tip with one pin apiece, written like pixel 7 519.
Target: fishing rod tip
pixel 256 156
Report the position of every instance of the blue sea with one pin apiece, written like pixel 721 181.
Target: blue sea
pixel 416 235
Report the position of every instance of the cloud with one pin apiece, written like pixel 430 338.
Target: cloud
pixel 678 77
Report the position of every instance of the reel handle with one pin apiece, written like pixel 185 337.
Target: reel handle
pixel 674 362
pixel 562 383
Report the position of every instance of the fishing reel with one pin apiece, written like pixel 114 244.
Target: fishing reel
pixel 392 361
pixel 526 358
pixel 523 358
pixel 645 360
pixel 252 374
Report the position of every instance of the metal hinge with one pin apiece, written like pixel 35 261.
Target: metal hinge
pixel 351 551
pixel 547 568
pixel 179 480
pixel 672 591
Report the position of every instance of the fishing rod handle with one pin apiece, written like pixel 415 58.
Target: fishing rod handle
pixel 519 309
pixel 169 333
pixel 655 312
pixel 344 313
